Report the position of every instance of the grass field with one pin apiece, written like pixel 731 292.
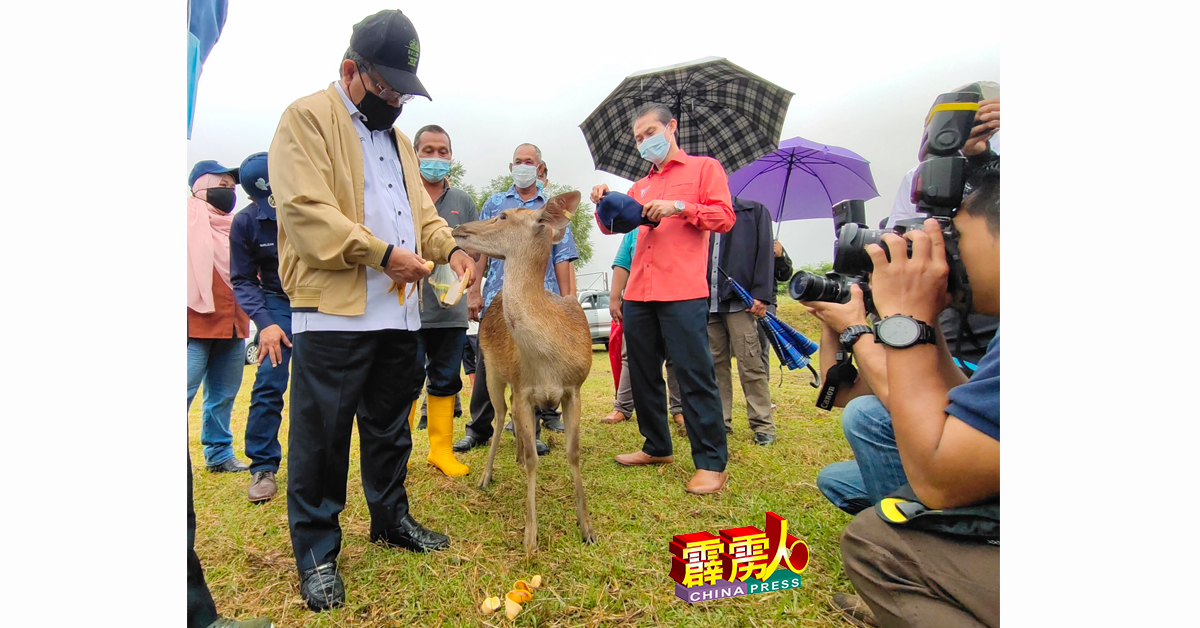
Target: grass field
pixel 622 580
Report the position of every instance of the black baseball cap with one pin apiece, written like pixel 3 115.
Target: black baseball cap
pixel 389 42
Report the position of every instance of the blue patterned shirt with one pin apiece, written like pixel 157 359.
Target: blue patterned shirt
pixel 564 251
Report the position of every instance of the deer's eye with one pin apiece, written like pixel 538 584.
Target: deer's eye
pixel 503 216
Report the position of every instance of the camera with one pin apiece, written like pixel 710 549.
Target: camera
pixel 938 189
pixel 832 288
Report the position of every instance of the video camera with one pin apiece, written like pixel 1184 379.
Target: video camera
pixel 937 191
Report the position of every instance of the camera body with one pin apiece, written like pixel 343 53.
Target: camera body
pixel 938 189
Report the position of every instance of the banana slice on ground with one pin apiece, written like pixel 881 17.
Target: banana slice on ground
pixel 490 605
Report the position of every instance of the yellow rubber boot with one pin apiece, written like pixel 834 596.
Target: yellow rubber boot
pixel 441 428
pixel 412 421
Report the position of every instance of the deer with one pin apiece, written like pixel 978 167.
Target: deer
pixel 534 342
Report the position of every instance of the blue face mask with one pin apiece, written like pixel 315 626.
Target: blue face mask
pixel 434 169
pixel 655 148
pixel 541 185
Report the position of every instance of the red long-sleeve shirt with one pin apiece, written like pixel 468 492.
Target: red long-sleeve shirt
pixel 670 260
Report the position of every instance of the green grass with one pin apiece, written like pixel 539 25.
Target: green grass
pixel 622 580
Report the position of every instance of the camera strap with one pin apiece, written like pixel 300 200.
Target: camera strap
pixel 839 375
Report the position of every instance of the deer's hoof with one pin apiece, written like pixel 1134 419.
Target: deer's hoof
pixel 589 538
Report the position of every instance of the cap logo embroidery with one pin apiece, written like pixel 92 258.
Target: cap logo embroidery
pixel 414 52
pixel 261 184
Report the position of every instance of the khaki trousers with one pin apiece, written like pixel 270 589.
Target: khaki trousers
pixel 736 334
pixel 914 578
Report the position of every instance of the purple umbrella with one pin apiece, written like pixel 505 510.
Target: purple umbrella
pixel 804 179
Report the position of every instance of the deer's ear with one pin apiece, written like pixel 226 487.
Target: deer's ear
pixel 558 210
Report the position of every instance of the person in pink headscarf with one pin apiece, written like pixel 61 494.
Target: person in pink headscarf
pixel 217 327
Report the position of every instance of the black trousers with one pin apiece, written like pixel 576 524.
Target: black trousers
pixel 336 375
pixel 655 331
pixel 483 413
pixel 200 607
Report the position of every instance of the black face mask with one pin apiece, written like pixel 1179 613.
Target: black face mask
pixel 380 115
pixel 222 198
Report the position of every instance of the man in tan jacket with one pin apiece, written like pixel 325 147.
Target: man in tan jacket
pixel 355 223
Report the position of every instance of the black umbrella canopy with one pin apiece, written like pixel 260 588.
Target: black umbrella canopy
pixel 723 111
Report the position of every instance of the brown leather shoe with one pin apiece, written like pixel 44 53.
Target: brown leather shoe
pixel 616 416
pixel 854 610
pixel 706 482
pixel 262 486
pixel 639 458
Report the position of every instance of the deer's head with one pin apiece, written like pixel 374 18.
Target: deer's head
pixel 519 229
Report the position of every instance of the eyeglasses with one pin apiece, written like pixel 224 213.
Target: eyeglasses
pixel 387 93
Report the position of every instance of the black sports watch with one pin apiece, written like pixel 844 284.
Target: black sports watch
pixel 900 332
pixel 852 333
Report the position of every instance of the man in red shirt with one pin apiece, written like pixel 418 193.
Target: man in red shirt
pixel 666 299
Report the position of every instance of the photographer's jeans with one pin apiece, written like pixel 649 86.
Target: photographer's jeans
pixel 218 362
pixel 876 471
pixel 266 398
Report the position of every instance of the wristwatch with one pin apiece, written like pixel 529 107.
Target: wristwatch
pixel 852 333
pixel 900 332
pixel 679 206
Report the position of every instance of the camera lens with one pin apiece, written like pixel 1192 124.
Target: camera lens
pixel 806 286
pixel 850 255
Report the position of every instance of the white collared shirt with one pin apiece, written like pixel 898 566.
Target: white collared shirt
pixel 388 214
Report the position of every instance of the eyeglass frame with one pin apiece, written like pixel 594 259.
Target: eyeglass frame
pixel 384 91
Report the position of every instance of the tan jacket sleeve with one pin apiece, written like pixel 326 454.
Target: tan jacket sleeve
pixel 436 241
pixel 322 236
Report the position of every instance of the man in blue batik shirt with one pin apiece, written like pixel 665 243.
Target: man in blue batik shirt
pixel 524 194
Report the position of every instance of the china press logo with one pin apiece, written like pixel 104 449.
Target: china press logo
pixel 741 561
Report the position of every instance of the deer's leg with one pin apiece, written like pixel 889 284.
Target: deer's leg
pixel 524 414
pixel 571 414
pixel 499 403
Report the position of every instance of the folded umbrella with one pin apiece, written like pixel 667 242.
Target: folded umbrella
pixel 616 336
pixel 793 348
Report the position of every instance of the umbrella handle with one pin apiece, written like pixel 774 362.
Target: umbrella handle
pixel 816 383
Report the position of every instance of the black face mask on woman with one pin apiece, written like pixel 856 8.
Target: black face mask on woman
pixel 380 115
pixel 221 198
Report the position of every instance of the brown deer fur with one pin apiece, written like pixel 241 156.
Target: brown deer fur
pixel 536 343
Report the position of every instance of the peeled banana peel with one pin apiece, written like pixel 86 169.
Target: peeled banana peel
pixel 403 287
pixel 521 593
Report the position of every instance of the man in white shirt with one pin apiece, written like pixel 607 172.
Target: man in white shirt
pixel 356 222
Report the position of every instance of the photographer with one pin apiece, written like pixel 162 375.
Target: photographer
pixel 876 470
pixel 855 485
pixel 947 430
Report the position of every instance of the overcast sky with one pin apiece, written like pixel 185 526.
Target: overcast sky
pixel 501 74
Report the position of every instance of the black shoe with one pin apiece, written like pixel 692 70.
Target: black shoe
pixel 763 439
pixel 412 536
pixel 321 587
pixel 233 465
pixel 424 422
pixel 469 442
pixel 554 424
pixel 542 448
